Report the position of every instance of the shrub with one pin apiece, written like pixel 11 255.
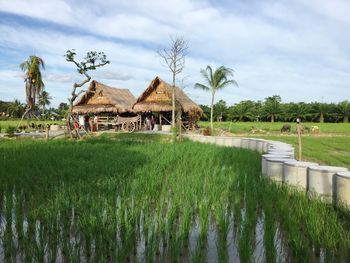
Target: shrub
pixel 174 131
pixel 207 131
pixel 10 131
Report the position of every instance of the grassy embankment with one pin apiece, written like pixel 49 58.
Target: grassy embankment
pixel 136 197
pixel 331 146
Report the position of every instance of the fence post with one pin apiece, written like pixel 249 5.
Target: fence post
pixel 299 139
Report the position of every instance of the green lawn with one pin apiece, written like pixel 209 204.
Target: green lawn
pixel 330 147
pixel 14 123
pixel 139 198
pixel 323 149
pixel 268 127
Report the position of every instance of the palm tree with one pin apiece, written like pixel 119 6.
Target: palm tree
pixel 319 110
pixel 272 107
pixel 295 111
pixel 33 81
pixel 220 110
pixel 15 109
pixel 243 110
pixel 216 81
pixel 44 100
pixel 343 111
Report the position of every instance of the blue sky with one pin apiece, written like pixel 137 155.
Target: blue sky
pixel 297 49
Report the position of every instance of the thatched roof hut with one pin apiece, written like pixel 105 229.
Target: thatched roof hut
pixel 158 98
pixel 102 98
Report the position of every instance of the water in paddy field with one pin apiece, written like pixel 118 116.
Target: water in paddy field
pixel 62 239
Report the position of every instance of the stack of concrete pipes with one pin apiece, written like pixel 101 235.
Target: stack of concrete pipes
pixel 331 183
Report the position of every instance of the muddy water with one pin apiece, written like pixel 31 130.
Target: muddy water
pixel 70 244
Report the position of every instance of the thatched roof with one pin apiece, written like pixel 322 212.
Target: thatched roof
pixel 102 98
pixel 158 97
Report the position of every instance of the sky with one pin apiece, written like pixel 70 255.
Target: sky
pixel 297 49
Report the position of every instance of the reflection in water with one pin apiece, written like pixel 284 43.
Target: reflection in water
pixel 71 242
pixel 23 237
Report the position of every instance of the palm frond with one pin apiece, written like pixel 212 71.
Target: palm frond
pixel 24 65
pixel 210 73
pixel 205 75
pixel 201 86
pixel 227 83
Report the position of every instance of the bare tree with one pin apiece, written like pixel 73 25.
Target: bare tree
pixel 92 61
pixel 174 58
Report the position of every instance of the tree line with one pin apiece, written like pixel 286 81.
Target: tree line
pixel 273 109
pixel 16 109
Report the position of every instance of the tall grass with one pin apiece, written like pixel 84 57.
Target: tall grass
pixel 140 198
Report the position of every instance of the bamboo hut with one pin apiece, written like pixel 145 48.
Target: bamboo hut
pixel 157 98
pixel 100 98
pixel 105 102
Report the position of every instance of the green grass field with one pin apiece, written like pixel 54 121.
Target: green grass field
pixel 14 123
pixel 326 150
pixel 139 198
pixel 268 127
pixel 330 147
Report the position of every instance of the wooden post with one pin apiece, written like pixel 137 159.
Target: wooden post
pixel 140 121
pixel 180 130
pixel 299 139
pixel 47 132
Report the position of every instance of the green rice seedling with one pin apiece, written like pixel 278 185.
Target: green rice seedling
pixel 9 246
pixel 244 245
pixel 65 238
pixel 269 222
pixel 222 220
pixel 119 199
pixel 30 239
pixel 52 241
pixel 19 215
pixel 185 224
pixel 40 242
pixel 203 220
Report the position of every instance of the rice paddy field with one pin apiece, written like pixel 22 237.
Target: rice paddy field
pixel 140 198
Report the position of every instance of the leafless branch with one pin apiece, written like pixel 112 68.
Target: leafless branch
pixel 174 58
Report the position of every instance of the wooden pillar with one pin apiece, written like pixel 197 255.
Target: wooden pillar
pixel 47 131
pixel 160 118
pixel 140 121
pixel 299 139
pixel 180 129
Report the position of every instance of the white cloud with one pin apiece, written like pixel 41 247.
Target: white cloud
pixel 60 78
pixel 335 9
pixel 110 75
pixel 53 10
pixel 8 74
pixel 293 49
